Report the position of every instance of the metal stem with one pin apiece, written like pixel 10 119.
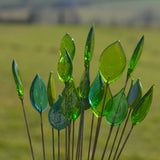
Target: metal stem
pixel 28 133
pixel 90 139
pixel 58 144
pixel 43 147
pixel 53 143
pixel 69 139
pixel 73 140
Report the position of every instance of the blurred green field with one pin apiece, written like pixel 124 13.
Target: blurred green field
pixel 35 48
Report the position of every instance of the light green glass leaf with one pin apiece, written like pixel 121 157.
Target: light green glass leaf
pixel 89 47
pixel 97 105
pixel 112 62
pixel 135 57
pixel 96 93
pixel 51 90
pixel 118 104
pixel 68 43
pixel 17 79
pixel 55 116
pixel 73 102
pixel 65 67
pixel 38 94
pixel 134 94
pixel 142 107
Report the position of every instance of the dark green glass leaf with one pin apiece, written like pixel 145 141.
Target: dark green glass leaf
pixel 112 62
pixel 96 93
pixel 142 107
pixel 17 79
pixel 51 90
pixel 89 47
pixel 56 118
pixel 135 57
pixel 65 67
pixel 73 102
pixel 134 94
pixel 38 94
pixel 68 43
pixel 98 101
pixel 86 83
pixel 118 104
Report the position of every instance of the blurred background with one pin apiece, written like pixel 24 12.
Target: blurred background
pixel 31 32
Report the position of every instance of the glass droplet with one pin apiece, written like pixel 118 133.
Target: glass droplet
pixel 112 62
pixel 38 94
pixel 55 116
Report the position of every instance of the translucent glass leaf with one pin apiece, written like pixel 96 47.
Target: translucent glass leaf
pixel 118 104
pixel 98 101
pixel 65 67
pixel 73 102
pixel 112 62
pixel 142 107
pixel 69 44
pixel 135 57
pixel 96 93
pixel 38 94
pixel 134 94
pixel 51 90
pixel 55 116
pixel 89 47
pixel 17 79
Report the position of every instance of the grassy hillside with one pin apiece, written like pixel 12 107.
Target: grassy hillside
pixel 35 49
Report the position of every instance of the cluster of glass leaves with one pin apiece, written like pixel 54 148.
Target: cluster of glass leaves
pixel 112 63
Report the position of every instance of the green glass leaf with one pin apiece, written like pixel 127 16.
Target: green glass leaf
pixel 142 107
pixel 89 47
pixel 17 79
pixel 96 91
pixel 98 101
pixel 86 83
pixel 65 67
pixel 55 116
pixel 134 94
pixel 69 44
pixel 38 94
pixel 73 102
pixel 51 90
pixel 135 57
pixel 118 104
pixel 112 62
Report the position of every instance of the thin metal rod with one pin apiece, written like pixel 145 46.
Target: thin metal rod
pixel 90 139
pixel 43 147
pixel 59 145
pixel 99 125
pixel 81 124
pixel 69 140
pixel 28 133
pixel 109 135
pixel 114 141
pixel 53 143
pixel 73 140
pixel 122 133
pixel 125 142
pixel 66 86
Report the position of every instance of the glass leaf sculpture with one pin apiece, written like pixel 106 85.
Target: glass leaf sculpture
pixel 69 44
pixel 96 96
pixel 142 107
pixel 55 116
pixel 112 62
pixel 89 47
pixel 134 94
pixel 135 57
pixel 73 102
pixel 117 105
pixel 17 79
pixel 65 67
pixel 38 94
pixel 51 90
